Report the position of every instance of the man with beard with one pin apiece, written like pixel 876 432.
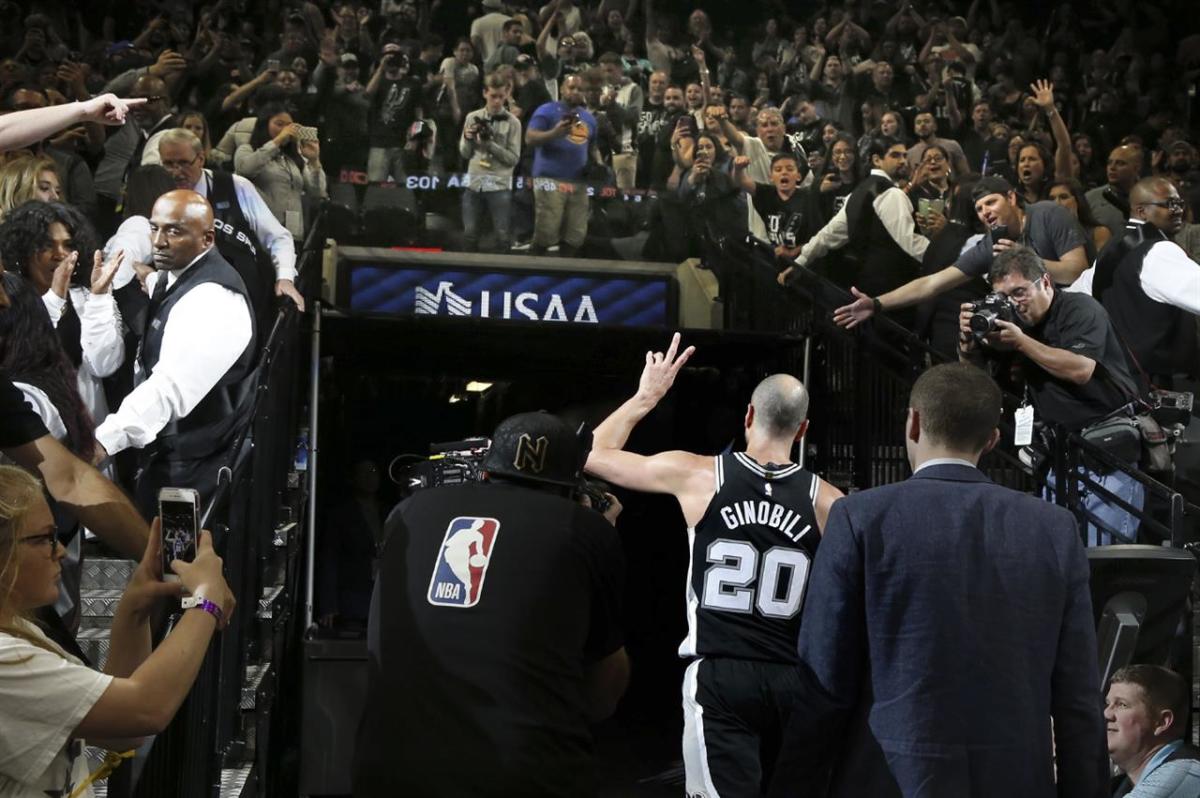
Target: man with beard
pixel 650 123
pixel 1110 203
pixel 1045 227
pixel 124 148
pixel 925 129
pixel 1148 284
pixel 739 112
pixel 675 109
pixel 877 221
pixel 563 137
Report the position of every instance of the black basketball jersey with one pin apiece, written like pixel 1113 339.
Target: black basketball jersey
pixel 750 558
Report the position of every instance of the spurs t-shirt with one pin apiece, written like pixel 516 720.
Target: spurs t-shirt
pixel 43 698
pixel 783 218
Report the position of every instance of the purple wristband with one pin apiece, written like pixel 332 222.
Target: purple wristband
pixel 201 603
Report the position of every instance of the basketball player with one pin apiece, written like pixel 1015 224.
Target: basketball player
pixel 754 521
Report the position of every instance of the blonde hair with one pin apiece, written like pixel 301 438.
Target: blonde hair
pixel 19 494
pixel 18 180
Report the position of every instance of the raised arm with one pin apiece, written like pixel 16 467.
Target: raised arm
pixel 1043 95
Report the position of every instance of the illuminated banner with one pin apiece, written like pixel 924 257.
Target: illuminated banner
pixel 626 300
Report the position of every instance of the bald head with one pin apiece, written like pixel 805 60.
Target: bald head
pixel 1156 200
pixel 181 228
pixel 1124 166
pixel 780 405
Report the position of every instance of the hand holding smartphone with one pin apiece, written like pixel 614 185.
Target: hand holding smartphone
pixel 179 509
pixel 306 133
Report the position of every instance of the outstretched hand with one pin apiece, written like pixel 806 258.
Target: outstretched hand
pixel 103 273
pixel 108 109
pixel 858 311
pixel 1043 94
pixel 659 373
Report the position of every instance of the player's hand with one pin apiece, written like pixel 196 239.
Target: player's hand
pixel 103 273
pixel 287 288
pixel 659 373
pixel 146 587
pixel 614 508
pixel 858 311
pixel 204 576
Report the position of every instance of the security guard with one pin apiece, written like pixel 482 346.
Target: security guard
pixel 494 632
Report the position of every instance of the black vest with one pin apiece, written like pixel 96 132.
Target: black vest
pixel 210 426
pixel 238 245
pixel 1161 337
pixel 885 265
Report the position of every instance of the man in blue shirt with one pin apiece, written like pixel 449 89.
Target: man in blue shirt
pixel 562 135
pixel 1147 718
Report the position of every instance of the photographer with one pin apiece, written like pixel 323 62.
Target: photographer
pixel 495 633
pixel 563 137
pixel 1072 362
pixel 491 144
pixel 49 701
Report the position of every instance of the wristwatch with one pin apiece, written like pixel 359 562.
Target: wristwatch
pixel 201 603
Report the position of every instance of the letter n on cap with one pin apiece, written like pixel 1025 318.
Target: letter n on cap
pixel 531 456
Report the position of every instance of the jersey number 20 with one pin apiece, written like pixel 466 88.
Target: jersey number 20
pixel 727 583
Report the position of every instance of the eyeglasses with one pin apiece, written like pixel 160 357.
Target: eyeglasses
pixel 171 166
pixel 50 540
pixel 1021 292
pixel 1171 204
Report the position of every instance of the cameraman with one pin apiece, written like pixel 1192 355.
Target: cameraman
pixel 491 143
pixel 494 633
pixel 1073 366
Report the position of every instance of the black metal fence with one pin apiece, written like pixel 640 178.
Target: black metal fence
pixel 220 736
pixel 860 380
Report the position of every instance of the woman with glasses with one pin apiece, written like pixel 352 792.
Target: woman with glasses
pixel 50 702
pixel 931 189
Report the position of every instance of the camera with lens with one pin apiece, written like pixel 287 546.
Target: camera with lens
pixel 483 129
pixel 987 311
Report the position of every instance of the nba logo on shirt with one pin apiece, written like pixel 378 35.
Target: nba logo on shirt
pixel 462 562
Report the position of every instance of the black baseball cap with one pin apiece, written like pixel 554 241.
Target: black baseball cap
pixel 991 184
pixel 537 447
pixel 524 61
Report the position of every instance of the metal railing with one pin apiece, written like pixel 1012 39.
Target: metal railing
pixel 860 381
pixel 211 734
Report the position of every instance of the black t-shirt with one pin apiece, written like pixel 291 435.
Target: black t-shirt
pixel 1079 324
pixel 1050 231
pixel 19 425
pixel 784 219
pixel 393 109
pixel 490 603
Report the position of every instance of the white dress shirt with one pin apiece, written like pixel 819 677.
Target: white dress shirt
pixel 1168 276
pixel 894 210
pixel 206 333
pixel 267 229
pixel 101 339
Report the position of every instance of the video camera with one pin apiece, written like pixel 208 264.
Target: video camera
pixel 987 311
pixel 461 462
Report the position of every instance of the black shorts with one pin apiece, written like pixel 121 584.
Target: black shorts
pixel 734 715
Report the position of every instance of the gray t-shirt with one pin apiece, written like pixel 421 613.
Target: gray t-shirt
pixel 1050 231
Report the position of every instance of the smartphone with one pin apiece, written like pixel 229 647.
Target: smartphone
pixel 179 509
pixel 937 205
pixel 305 133
pixel 272 65
pixel 998 232
pixel 923 206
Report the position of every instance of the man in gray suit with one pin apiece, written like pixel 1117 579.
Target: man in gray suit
pixel 948 622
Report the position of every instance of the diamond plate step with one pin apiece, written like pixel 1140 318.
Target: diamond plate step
pixel 106 574
pixel 98 606
pixel 255 674
pixel 234 781
pixel 94 643
pixel 267 604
